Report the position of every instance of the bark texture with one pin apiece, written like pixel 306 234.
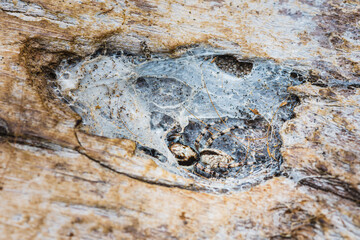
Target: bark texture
pixel 57 182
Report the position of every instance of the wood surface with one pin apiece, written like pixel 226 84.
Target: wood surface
pixel 57 182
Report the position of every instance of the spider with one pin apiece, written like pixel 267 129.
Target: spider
pixel 215 163
pixel 209 163
pixel 204 160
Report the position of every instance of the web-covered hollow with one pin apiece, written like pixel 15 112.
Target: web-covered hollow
pixel 202 97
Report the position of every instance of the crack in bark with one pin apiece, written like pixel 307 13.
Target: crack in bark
pixel 74 176
pixel 334 186
pixel 44 144
pixel 191 187
pixel 22 12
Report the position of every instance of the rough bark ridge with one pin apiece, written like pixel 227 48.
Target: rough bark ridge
pixel 59 182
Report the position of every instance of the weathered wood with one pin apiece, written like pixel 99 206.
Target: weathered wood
pixel 58 182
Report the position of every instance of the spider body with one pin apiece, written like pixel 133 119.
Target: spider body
pixel 185 155
pixel 203 159
pixel 215 163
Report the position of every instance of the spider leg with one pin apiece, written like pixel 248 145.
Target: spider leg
pixel 173 134
pixel 222 165
pixel 204 171
pixel 205 130
pixel 194 172
pixel 236 164
pixel 207 170
pixel 201 135
pixel 199 166
pixel 198 139
pixel 212 138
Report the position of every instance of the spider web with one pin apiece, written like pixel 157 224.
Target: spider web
pixel 127 96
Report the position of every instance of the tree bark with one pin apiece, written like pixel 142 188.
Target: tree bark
pixel 58 182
